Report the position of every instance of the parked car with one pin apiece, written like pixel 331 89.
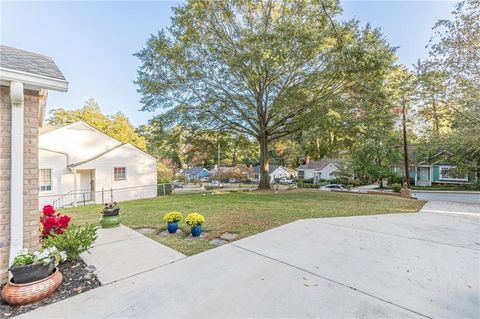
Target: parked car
pixel 217 184
pixel 285 180
pixel 177 185
pixel 329 187
pixel 233 180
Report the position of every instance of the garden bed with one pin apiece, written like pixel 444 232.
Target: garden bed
pixel 77 278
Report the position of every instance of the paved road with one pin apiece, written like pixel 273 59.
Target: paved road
pixel 473 197
pixel 421 265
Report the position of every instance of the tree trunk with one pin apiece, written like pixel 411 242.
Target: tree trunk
pixel 264 176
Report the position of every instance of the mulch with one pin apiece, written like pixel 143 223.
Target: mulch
pixel 77 278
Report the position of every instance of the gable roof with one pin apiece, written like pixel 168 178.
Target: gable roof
pixel 194 171
pixel 51 128
pixel 321 164
pixel 96 156
pixel 271 168
pixel 29 62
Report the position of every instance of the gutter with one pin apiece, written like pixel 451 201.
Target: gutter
pixel 16 175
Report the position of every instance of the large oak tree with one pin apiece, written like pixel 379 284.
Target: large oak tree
pixel 256 67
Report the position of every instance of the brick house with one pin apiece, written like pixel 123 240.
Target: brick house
pixel 25 78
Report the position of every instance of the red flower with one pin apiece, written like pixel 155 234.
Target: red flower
pixel 50 222
pixel 48 210
pixel 63 221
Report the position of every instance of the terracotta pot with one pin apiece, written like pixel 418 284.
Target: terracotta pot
pixel 22 294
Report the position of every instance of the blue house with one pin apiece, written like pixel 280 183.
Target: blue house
pixel 196 174
pixel 437 169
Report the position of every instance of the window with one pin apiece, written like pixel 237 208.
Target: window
pixel 119 173
pixel 45 179
pixel 301 174
pixel 449 173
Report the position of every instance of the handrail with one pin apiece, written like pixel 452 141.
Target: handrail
pixel 60 202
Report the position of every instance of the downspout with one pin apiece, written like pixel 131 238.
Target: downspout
pixel 16 175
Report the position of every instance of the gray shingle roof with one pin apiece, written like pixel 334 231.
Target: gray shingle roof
pixel 194 171
pixel 321 164
pixel 25 61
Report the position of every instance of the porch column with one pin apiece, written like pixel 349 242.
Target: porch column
pixel 74 187
pixel 16 183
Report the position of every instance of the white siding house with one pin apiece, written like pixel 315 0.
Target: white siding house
pixel 274 171
pixel 78 163
pixel 317 170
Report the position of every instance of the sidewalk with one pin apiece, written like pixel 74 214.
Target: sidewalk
pixel 121 252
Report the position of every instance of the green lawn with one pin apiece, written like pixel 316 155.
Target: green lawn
pixel 244 213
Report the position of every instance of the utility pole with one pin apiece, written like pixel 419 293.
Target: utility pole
pixel 405 145
pixel 218 162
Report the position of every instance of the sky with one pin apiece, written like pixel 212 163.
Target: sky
pixel 93 42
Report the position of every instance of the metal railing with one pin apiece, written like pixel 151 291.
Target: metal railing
pixel 105 195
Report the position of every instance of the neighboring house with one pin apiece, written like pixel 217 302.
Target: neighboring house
pixel 196 174
pixel 319 170
pixel 78 163
pixel 274 171
pixel 25 78
pixel 434 170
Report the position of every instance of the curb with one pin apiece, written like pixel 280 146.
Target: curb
pixel 446 192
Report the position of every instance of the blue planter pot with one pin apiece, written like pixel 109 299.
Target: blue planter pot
pixel 196 231
pixel 172 227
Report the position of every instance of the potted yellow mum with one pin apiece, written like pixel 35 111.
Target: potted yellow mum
pixel 172 219
pixel 195 221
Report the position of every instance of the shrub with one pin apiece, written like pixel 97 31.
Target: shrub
pixel 172 217
pixel 209 187
pixel 53 223
pixel 164 189
pixel 194 219
pixel 396 187
pixel 395 178
pixel 74 241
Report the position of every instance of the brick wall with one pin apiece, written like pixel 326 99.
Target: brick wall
pixel 5 127
pixel 30 199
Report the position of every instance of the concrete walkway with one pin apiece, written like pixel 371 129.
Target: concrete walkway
pixel 121 252
pixel 422 265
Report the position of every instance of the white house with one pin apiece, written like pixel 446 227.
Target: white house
pixel 317 170
pixel 79 164
pixel 274 171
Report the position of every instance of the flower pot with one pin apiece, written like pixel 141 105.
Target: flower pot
pixel 172 227
pixel 196 231
pixel 31 273
pixel 110 221
pixel 21 294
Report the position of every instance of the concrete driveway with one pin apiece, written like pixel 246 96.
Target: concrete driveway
pixel 423 265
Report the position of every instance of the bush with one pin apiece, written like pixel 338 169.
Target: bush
pixel 395 178
pixel 164 189
pixel 209 187
pixel 396 187
pixel 74 241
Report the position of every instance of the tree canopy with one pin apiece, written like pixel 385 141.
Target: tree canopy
pixel 261 68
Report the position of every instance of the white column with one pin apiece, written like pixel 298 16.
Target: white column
pixel 74 187
pixel 16 184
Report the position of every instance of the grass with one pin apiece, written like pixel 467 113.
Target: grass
pixel 244 213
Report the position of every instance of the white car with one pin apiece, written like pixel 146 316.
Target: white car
pixel 329 187
pixel 217 184
pixel 285 180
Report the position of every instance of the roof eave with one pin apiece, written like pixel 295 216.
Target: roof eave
pixel 33 81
